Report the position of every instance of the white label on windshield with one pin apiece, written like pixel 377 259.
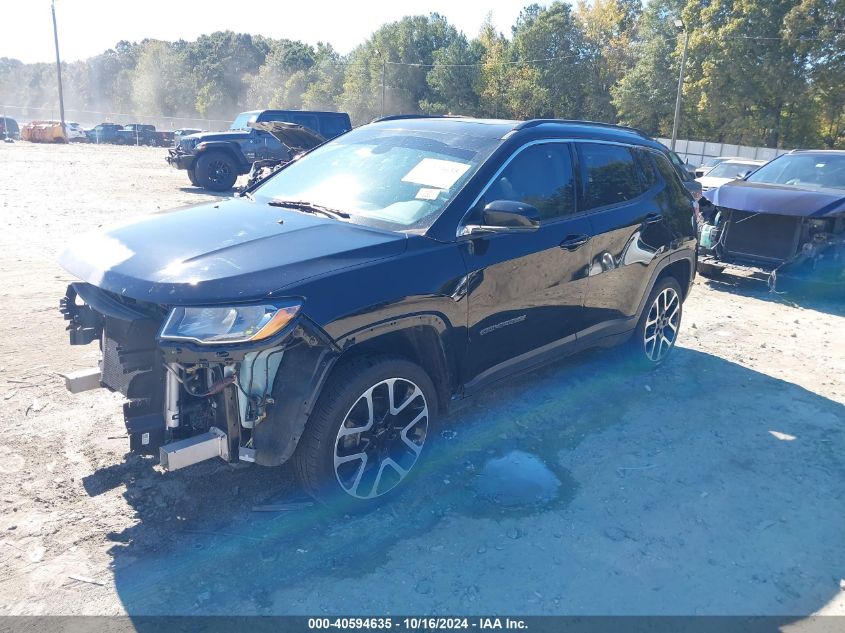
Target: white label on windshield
pixel 433 172
pixel 428 194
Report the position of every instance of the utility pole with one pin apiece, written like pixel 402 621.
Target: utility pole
pixel 679 24
pixel 58 69
pixel 383 68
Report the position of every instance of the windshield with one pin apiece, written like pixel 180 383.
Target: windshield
pixel 731 170
pixel 712 162
pixel 804 170
pixel 242 121
pixel 395 179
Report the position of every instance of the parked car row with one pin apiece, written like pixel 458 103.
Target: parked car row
pixel 131 134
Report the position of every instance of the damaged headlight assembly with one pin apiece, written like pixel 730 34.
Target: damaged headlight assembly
pixel 228 325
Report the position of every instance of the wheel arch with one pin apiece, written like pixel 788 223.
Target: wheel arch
pixel 421 339
pixel 233 150
pixel 681 270
pixel 310 361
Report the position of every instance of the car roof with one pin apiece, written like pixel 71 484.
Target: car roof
pixel 501 128
pixel 256 112
pixel 745 160
pixel 821 152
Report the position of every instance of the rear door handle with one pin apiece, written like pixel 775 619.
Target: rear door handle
pixel 571 242
pixel 651 218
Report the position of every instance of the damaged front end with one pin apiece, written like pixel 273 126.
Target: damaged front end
pixel 789 252
pixel 235 382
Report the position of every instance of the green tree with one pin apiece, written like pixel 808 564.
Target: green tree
pixel 644 97
pixel 747 83
pixel 609 28
pixel 405 52
pixel 162 82
pixel 552 80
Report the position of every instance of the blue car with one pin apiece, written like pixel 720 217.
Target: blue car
pixel 784 224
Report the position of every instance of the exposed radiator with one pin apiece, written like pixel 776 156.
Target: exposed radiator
pixel 767 237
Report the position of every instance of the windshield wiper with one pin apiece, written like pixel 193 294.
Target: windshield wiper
pixel 310 207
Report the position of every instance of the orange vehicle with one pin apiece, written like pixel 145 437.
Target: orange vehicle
pixel 44 132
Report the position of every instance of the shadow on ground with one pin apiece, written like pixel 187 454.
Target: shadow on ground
pixel 207 192
pixel 827 301
pixel 675 498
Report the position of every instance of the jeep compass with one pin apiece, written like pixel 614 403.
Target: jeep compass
pixel 332 312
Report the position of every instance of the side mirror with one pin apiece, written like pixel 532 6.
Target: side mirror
pixel 741 175
pixel 506 216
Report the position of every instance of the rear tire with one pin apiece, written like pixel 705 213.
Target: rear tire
pixel 659 325
pixel 192 176
pixel 366 433
pixel 216 171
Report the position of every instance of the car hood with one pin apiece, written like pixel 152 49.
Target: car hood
pixel 756 197
pixel 711 182
pixel 230 251
pixel 208 137
pixel 292 135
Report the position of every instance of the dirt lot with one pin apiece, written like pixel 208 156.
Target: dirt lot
pixel 715 485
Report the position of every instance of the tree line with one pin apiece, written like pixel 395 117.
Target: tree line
pixel 759 72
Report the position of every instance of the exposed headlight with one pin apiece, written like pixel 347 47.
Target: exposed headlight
pixel 226 325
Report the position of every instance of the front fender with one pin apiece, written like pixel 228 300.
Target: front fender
pixel 309 357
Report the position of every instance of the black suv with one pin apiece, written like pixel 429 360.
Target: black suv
pixel 332 312
pixel 215 160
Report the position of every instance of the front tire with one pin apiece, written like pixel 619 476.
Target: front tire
pixel 659 325
pixel 216 171
pixel 366 433
pixel 192 176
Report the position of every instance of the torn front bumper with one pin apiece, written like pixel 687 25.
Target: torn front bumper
pixel 190 402
pixel 179 159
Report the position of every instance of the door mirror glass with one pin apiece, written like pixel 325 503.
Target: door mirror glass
pixel 506 216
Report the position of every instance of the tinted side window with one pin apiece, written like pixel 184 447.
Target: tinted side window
pixel 670 175
pixel 610 176
pixel 305 120
pixel 331 126
pixel 540 175
pixel 648 173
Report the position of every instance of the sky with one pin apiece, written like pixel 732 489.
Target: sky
pixel 89 27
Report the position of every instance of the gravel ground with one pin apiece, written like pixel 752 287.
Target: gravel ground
pixel 715 485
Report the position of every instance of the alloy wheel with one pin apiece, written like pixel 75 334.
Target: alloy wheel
pixel 219 171
pixel 381 438
pixel 661 326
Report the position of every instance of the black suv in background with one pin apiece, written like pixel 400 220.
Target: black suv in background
pixel 104 133
pixel 330 314
pixel 214 160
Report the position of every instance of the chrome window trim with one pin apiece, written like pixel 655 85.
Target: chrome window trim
pixel 461 225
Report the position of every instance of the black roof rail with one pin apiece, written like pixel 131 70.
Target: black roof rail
pixel 399 117
pixel 536 122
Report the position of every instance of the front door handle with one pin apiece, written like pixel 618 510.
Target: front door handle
pixel 651 218
pixel 571 242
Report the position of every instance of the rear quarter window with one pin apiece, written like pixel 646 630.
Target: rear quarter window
pixel 609 174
